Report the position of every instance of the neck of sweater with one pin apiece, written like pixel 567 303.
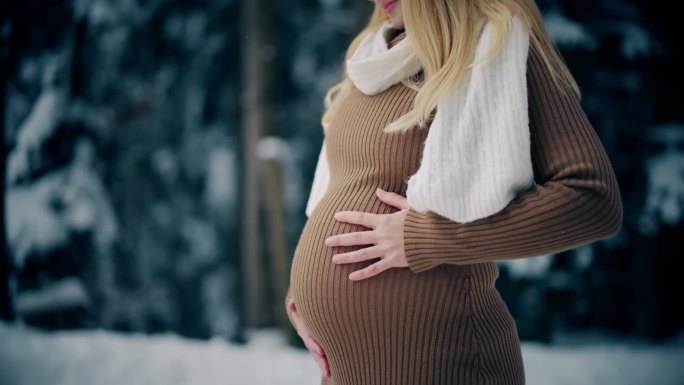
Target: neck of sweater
pixel 395 37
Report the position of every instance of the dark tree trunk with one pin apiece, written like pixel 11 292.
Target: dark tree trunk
pixel 7 56
pixel 256 75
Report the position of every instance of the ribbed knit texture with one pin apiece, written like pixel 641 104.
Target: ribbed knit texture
pixel 576 199
pixel 442 321
pixel 477 155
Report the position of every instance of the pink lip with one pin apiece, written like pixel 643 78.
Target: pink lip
pixel 389 5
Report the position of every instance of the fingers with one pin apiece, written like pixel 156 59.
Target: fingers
pixel 304 334
pixel 295 320
pixel 359 217
pixel 358 255
pixel 319 355
pixel 322 362
pixel 291 306
pixel 371 270
pixel 314 347
pixel 289 316
pixel 326 366
pixel 392 199
pixel 348 239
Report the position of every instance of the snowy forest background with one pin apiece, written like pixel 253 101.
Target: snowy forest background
pixel 157 156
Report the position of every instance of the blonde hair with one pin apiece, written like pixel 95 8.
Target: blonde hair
pixel 445 34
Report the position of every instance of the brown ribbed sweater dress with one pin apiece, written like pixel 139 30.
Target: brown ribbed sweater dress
pixel 441 320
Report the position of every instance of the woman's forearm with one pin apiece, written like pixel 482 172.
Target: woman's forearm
pixel 575 201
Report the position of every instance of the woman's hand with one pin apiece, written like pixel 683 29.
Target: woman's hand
pixel 387 237
pixel 303 331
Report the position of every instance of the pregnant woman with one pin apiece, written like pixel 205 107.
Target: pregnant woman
pixel 455 139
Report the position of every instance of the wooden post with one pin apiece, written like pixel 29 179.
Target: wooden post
pixel 256 21
pixel 272 179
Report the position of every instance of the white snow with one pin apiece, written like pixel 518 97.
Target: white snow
pixel 666 186
pixel 535 267
pixel 32 223
pixel 567 32
pixel 665 171
pixel 603 364
pixel 102 358
pixel 35 224
pixel 221 190
pixel 65 293
pixel 636 42
pixel 29 356
pixel 34 130
pixel 283 152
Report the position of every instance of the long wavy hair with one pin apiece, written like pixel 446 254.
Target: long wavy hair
pixel 444 34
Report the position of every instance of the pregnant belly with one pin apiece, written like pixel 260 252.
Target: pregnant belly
pixel 345 315
pixel 321 288
pixel 409 324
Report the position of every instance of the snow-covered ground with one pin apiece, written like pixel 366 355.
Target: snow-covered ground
pixel 28 356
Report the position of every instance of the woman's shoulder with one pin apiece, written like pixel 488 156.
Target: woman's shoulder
pixel 535 63
pixel 541 79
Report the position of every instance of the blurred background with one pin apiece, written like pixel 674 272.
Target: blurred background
pixel 157 158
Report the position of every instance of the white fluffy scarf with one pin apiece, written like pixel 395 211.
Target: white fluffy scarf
pixel 477 152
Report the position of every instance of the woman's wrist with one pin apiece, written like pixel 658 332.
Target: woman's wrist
pixel 417 229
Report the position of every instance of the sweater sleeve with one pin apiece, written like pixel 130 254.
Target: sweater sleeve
pixel 575 199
